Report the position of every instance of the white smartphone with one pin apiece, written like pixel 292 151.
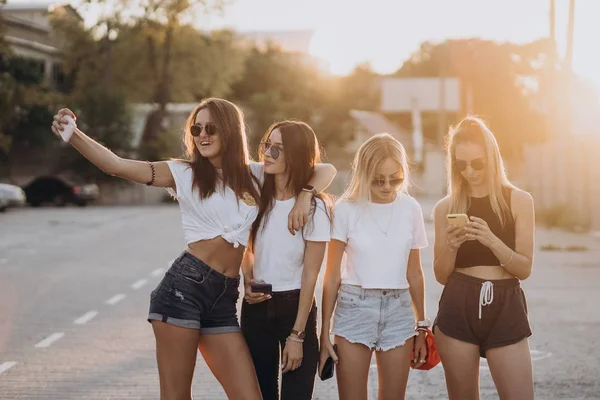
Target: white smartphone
pixel 68 129
pixel 459 220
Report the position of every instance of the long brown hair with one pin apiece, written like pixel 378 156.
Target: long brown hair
pixel 229 120
pixel 302 153
pixel 474 130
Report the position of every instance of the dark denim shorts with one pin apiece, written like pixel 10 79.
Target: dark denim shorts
pixel 193 295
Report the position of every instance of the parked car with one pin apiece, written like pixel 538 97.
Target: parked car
pixel 60 192
pixel 11 196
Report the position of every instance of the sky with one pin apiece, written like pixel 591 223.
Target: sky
pixel 385 32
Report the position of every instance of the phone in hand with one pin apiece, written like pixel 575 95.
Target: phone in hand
pixel 459 220
pixel 328 367
pixel 259 287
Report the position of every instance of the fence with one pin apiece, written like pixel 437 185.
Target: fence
pixel 563 176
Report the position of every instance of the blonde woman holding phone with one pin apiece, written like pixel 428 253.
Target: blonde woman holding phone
pixel 484 241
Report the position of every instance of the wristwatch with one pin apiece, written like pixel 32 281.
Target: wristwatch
pixel 426 323
pixel 299 334
pixel 310 189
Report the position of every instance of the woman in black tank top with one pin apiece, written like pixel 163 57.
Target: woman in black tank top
pixel 482 310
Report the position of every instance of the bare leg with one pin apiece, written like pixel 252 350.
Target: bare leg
pixel 461 366
pixel 176 357
pixel 352 369
pixel 512 370
pixel 393 367
pixel 229 360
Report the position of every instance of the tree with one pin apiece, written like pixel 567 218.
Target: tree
pixel 280 85
pixel 504 79
pixel 159 24
pixel 130 61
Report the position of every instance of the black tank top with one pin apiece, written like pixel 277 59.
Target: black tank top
pixel 472 253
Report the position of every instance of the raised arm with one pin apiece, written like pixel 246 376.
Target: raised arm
pixel 322 177
pixel 320 180
pixel 109 162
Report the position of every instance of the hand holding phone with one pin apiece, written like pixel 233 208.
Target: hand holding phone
pixel 456 229
pixel 261 287
pixel 257 292
pixel 328 366
pixel 68 128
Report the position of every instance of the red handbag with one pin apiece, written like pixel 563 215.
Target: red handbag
pixel 433 357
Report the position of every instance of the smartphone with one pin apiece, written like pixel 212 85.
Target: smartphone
pixel 328 368
pixel 459 220
pixel 265 288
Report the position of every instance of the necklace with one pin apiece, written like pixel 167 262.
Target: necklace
pixel 389 220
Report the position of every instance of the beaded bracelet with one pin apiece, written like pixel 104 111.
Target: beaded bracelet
pixel 295 339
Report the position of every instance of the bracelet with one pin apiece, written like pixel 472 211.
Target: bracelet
pixel 153 174
pixel 421 329
pixel 295 339
pixel 512 253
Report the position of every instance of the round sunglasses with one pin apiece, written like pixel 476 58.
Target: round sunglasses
pixel 477 164
pixel 274 150
pixel 210 129
pixel 395 182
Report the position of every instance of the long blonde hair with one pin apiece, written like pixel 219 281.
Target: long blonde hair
pixel 474 130
pixel 366 161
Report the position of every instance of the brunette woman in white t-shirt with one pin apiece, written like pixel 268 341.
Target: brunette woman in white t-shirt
pixel 194 306
pixel 380 294
pixel 282 326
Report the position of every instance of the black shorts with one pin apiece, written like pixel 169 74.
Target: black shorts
pixel 193 295
pixel 504 320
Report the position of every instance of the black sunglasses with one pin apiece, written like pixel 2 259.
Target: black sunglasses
pixel 395 182
pixel 477 164
pixel 209 128
pixel 275 151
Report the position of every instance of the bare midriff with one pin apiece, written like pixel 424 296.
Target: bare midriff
pixel 218 254
pixel 487 272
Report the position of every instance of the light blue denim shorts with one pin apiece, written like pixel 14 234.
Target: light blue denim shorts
pixel 380 319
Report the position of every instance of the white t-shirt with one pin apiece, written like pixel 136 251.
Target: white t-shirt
pixel 221 214
pixel 279 255
pixel 375 260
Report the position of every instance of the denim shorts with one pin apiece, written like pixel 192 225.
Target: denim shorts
pixel 381 319
pixel 193 295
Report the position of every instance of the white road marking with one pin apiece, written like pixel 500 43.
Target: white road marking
pixel 5 366
pixel 138 284
pixel 115 299
pixel 157 271
pixel 85 318
pixel 49 340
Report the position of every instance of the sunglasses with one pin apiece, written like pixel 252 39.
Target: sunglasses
pixel 209 128
pixel 395 182
pixel 477 164
pixel 274 150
